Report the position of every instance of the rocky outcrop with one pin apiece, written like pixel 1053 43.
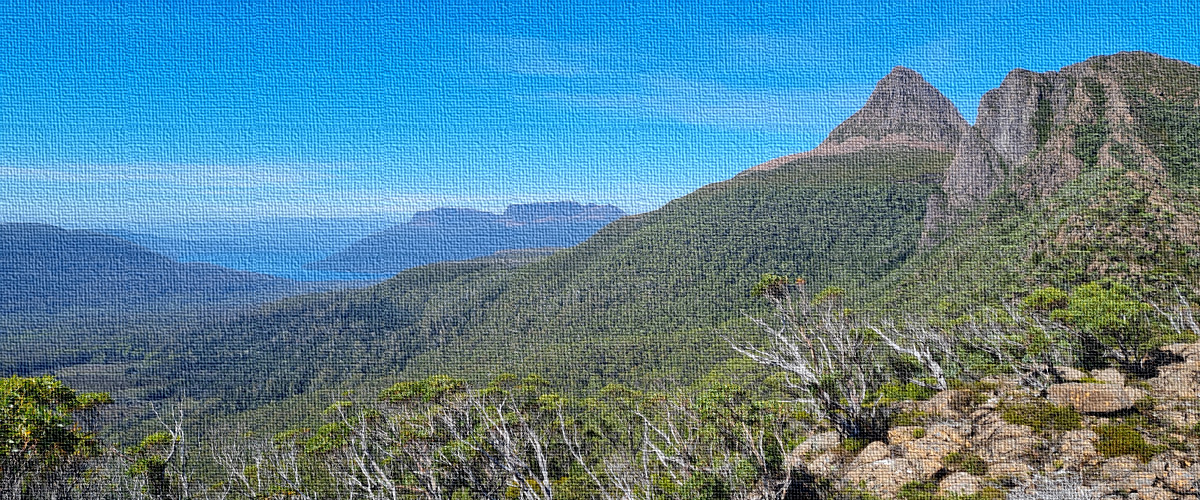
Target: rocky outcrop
pixel 968 444
pixel 1094 398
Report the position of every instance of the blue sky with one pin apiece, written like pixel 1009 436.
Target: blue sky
pixel 137 112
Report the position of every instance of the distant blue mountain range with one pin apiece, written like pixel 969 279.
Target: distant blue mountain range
pixel 48 270
pixel 462 233
pixel 276 246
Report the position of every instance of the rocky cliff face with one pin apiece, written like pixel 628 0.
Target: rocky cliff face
pixel 1035 132
pixel 1049 127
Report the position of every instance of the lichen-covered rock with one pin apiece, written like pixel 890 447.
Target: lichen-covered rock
pixel 1010 471
pixel 1004 442
pixel 958 434
pixel 1109 376
pixel 960 483
pixel 900 435
pixel 1094 398
pixel 1077 450
pixel 1174 472
pixel 1126 474
pixel 884 477
pixel 1154 493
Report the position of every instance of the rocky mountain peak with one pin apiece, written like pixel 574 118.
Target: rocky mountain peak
pixel 903 111
pixel 904 108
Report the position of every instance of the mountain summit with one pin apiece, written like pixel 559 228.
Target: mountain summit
pixel 903 111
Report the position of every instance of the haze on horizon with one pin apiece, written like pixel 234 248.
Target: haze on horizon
pixel 156 112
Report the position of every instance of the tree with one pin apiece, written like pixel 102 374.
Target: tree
pixel 831 357
pixel 1110 322
pixel 46 446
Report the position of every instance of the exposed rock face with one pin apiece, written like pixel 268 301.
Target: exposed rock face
pixel 883 477
pixel 976 171
pixel 903 111
pixel 1094 398
pixel 1006 115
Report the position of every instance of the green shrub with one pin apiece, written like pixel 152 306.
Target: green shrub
pixel 907 418
pixel 965 462
pixel 1042 416
pixel 918 490
pixel 895 391
pixel 1123 439
pixel 854 445
pixel 1046 299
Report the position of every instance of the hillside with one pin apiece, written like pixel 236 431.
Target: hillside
pixel 901 224
pixel 640 300
pixel 458 233
pixel 904 222
pixel 46 270
pixel 1077 188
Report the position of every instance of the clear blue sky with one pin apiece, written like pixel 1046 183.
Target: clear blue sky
pixel 148 111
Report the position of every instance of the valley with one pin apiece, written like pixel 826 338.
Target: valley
pixel 1050 249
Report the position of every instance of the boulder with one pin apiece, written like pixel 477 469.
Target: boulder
pixel 1004 442
pixel 1070 374
pixel 940 440
pixel 900 435
pixel 1109 376
pixel 884 477
pixel 874 452
pixel 1177 381
pixel 818 443
pixel 1094 398
pixel 960 483
pixel 1189 352
pixel 824 465
pixel 927 454
pixel 946 403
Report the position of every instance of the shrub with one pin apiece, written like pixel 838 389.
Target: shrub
pixel 1042 416
pixel 1123 439
pixel 965 462
pixel 918 490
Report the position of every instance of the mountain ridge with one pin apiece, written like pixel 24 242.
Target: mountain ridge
pixel 46 269
pixel 449 234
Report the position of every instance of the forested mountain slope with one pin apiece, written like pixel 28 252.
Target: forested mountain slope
pixel 47 270
pixel 1067 177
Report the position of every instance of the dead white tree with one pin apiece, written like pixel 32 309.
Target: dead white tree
pixel 827 355
pixel 1031 347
